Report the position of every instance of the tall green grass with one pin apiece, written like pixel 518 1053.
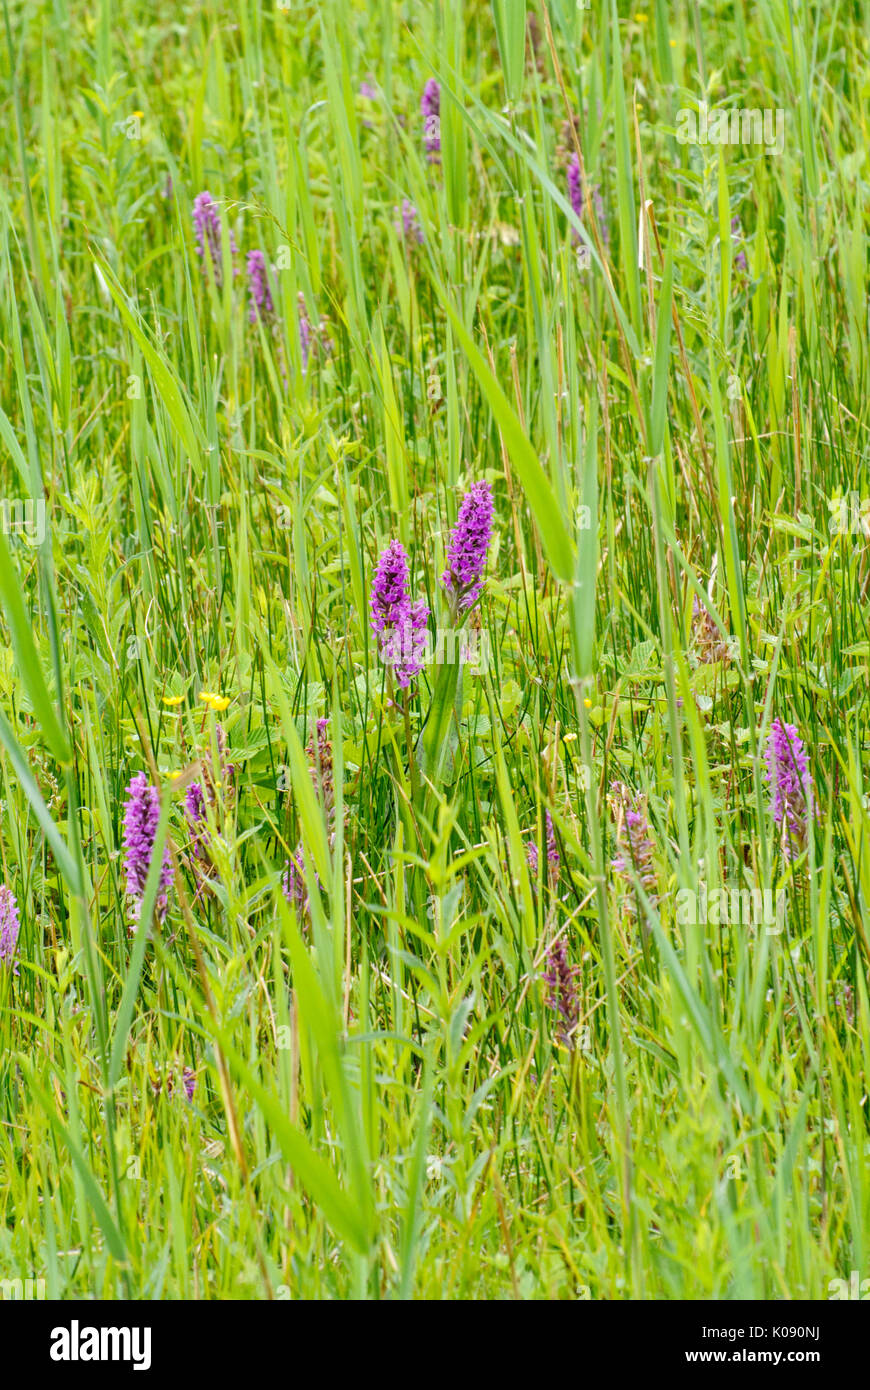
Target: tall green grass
pixel 382 1107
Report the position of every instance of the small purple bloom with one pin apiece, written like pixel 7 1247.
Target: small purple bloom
pixel 258 287
pixel 389 601
pixel 194 809
pixel 400 623
pixel 706 637
pixel 194 803
pixel 319 750
pixel 200 795
pixel 9 925
pixel 293 884
pixel 553 856
pixel 466 556
pixel 575 192
pixel 430 105
pixel 369 93
pixel 304 332
pixel 737 237
pixel 405 649
pixel 532 857
pixel 141 814
pixel 311 339
pixel 792 785
pixel 207 230
pixel 562 996
pixel 207 225
pixel 188 1079
pixel 635 844
pixel 408 224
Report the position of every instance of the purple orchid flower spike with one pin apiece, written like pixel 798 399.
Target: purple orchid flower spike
pixel 141 815
pixel 469 543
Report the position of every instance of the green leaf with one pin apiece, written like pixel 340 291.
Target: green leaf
pixel 554 533
pixel 510 28
pixel 105 1220
pixel 170 389
pixel 68 866
pixel 26 657
pixel 307 805
pixel 434 741
pixel 314 1172
pixel 662 359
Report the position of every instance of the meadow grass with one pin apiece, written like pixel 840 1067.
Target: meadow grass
pixel 668 404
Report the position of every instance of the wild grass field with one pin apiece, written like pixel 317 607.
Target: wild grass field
pixel 434 575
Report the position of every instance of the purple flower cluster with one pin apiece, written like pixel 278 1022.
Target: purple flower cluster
pixel 430 105
pixel 408 224
pixel 399 623
pixel 304 332
pixel 9 925
pixel 258 287
pixel 792 786
pixel 562 998
pixel 310 339
pixel 201 795
pixel 141 814
pixel 194 804
pixel 389 601
pixel 466 556
pixel 635 844
pixel 293 884
pixel 369 93
pixel 706 636
pixel 553 856
pixel 319 750
pixel 207 230
pixel 575 192
pixel 575 195
pixel 188 1081
pixel 737 238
